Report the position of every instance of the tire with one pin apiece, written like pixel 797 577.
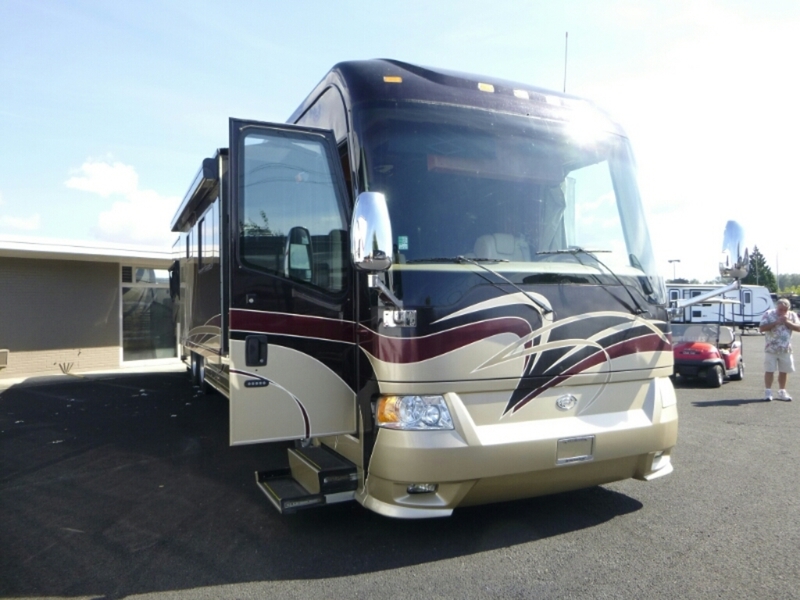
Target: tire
pixel 715 376
pixel 739 375
pixel 199 374
pixel 195 369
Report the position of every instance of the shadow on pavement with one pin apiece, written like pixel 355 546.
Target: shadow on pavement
pixel 729 402
pixel 124 485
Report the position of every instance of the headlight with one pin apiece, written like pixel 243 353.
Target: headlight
pixel 413 412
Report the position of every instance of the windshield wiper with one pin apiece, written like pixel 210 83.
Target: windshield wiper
pixel 576 250
pixel 455 259
pixel 477 262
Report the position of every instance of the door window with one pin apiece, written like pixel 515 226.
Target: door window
pixel 291 220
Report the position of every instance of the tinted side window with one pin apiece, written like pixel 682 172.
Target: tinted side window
pixel 327 113
pixel 208 237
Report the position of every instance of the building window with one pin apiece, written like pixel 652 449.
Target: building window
pixel 148 329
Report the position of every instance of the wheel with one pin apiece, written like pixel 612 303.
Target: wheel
pixel 199 374
pixel 739 375
pixel 195 361
pixel 714 376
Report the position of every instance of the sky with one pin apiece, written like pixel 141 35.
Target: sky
pixel 108 108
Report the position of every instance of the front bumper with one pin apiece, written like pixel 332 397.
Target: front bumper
pixel 499 462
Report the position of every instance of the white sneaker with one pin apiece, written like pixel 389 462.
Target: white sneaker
pixel 784 395
pixel 768 395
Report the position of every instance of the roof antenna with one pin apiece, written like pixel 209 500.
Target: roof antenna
pixel 566 39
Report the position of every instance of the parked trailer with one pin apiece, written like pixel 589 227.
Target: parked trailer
pixel 745 309
pixel 440 285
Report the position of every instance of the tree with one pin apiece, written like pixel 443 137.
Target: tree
pixel 789 282
pixel 760 273
pixel 251 228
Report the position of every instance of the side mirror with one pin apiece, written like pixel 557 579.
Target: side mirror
pixel 735 261
pixel 297 255
pixel 371 233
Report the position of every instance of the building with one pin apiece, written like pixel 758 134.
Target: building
pixel 72 307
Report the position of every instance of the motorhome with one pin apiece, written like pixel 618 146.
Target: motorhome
pixel 744 308
pixel 440 286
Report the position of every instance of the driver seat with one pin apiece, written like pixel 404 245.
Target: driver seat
pixel 725 336
pixel 502 246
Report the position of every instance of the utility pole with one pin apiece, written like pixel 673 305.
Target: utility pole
pixel 673 261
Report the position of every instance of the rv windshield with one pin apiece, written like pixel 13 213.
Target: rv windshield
pixel 545 196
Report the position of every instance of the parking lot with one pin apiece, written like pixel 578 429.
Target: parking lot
pixel 124 485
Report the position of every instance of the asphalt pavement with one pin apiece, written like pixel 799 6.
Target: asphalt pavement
pixel 124 485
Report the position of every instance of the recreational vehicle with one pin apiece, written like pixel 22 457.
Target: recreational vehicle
pixel 744 308
pixel 439 285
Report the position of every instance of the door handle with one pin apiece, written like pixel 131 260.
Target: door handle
pixel 255 354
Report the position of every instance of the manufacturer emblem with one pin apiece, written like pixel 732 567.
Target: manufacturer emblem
pixel 566 402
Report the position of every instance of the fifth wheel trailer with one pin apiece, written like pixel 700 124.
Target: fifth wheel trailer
pixel 746 307
pixel 439 285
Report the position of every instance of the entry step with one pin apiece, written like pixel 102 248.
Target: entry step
pixel 316 476
pixel 322 471
pixel 285 493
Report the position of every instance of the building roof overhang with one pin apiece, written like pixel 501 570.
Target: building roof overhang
pixel 50 249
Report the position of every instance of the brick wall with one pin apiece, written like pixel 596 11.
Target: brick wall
pixel 59 312
pixel 53 362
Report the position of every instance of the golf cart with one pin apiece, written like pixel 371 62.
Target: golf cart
pixel 713 351
pixel 710 351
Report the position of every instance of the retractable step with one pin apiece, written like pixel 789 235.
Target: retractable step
pixel 322 471
pixel 316 476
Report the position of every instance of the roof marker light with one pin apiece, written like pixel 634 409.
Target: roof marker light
pixel 392 79
pixel 522 94
pixel 486 87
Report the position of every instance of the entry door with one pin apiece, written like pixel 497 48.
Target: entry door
pixel 292 333
pixel 747 305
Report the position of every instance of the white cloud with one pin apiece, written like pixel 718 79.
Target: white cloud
pixel 104 178
pixel 31 223
pixel 137 216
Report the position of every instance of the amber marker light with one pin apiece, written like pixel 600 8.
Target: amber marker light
pixel 486 87
pixel 392 79
pixel 386 412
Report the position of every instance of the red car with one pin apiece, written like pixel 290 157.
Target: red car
pixel 708 351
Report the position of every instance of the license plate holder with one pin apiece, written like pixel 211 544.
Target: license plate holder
pixel 574 450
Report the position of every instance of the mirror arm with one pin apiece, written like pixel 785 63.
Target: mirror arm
pixel 374 282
